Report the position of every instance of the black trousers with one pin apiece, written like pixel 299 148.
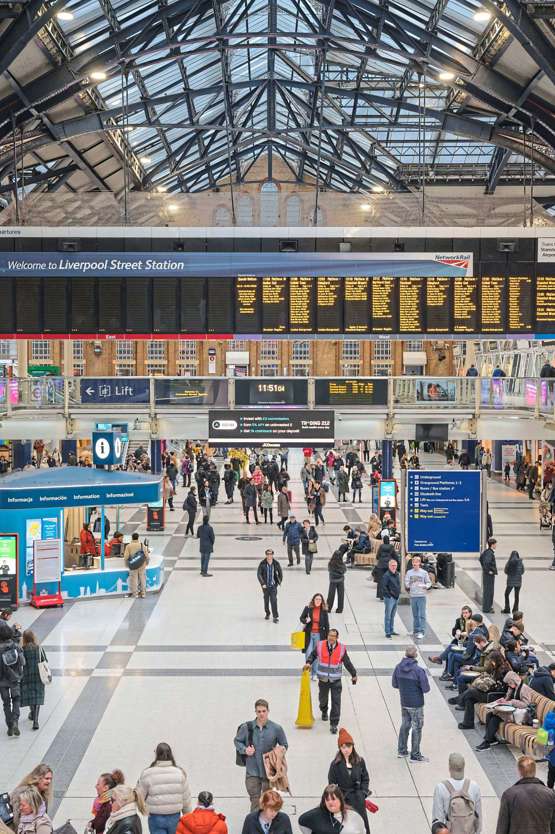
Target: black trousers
pixel 492 723
pixel 190 523
pixel 229 490
pixel 340 587
pixel 324 690
pixel 508 594
pixel 468 699
pixel 270 599
pixel 11 701
pixel 551 776
pixel 247 511
pixel 268 511
pixel 488 587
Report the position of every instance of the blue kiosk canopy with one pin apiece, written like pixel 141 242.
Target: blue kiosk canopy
pixel 76 486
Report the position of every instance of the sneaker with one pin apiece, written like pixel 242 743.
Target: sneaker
pixel 324 716
pixel 388 636
pixel 445 677
pixel 419 636
pixel 267 617
pixel 395 633
pixel 434 658
pixel 453 700
pixel 402 755
pixel 419 758
pixel 466 726
pixel 333 729
pixel 276 619
pixel 15 729
pixel 485 745
pixel 10 730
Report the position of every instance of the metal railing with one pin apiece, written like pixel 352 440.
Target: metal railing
pixel 444 394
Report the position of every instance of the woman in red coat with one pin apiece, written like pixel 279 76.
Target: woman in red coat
pixel 204 819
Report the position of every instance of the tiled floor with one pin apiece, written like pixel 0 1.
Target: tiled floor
pixel 185 666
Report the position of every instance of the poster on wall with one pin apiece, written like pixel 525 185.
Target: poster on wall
pixel 434 390
pixel 38 528
pixel 548 459
pixel 508 455
pixel 8 570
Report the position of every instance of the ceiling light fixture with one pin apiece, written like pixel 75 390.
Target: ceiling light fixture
pixel 64 15
pixel 482 16
pixel 446 75
pixel 378 189
pixel 145 160
pixel 161 188
pixel 173 207
pixel 366 207
pixel 98 75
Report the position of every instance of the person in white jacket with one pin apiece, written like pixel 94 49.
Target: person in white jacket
pixel 165 789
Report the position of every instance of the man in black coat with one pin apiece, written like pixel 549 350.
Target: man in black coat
pixel 229 482
pixel 547 370
pixel 206 537
pixel 543 681
pixel 528 807
pixel 190 505
pixel 11 673
pixel 489 572
pixel 270 576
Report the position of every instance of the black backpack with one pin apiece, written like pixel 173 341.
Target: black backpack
pixel 137 560
pixel 12 661
pixel 241 758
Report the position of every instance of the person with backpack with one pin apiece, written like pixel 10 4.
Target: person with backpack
pixel 11 672
pixel 136 557
pixel 253 739
pixel 458 801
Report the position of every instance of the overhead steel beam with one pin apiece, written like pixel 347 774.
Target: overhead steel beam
pixel 498 162
pixel 527 33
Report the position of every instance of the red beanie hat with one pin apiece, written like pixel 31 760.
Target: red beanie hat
pixel 344 737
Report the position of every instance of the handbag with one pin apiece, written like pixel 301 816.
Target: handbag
pixel 45 673
pixel 371 806
pixel 312 547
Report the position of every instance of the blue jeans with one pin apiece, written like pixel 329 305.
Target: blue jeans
pixel 314 640
pixel 163 823
pixel 204 559
pixel 412 718
pixel 418 607
pixel 390 604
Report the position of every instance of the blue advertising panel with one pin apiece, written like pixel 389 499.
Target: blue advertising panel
pixel 443 511
pixel 112 391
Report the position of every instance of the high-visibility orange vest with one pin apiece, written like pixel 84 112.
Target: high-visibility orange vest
pixel 330 665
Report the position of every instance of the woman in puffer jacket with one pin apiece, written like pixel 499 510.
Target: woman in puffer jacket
pixel 165 789
pixel 204 819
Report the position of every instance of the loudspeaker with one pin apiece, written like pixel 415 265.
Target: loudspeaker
pixel 507 246
pixel 289 246
pixel 69 246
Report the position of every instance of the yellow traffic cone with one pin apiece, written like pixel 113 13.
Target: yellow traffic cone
pixel 305 719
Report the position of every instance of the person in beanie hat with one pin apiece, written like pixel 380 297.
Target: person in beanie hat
pixel 204 819
pixel 458 801
pixel 348 770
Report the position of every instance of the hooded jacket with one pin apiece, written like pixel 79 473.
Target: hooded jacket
pixel 542 682
pixel 411 681
pixel 202 821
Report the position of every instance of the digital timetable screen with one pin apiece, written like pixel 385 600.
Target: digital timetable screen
pixel 276 305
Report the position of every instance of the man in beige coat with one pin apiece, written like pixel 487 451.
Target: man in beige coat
pixel 137 577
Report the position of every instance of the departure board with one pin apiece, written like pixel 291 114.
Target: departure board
pixel 83 305
pixel 545 304
pixel 465 305
pixel 351 391
pixel 55 306
pixel 329 304
pixel 221 292
pixel 301 305
pixel 492 304
pixel 247 304
pixel 193 305
pixel 28 305
pixel 110 305
pixel 138 306
pixel 438 305
pixel 384 305
pixel 520 303
pixel 356 306
pixel 275 305
pixel 6 306
pixel 164 305
pixel 411 318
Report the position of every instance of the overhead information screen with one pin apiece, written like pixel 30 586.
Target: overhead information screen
pixel 250 305
pixel 275 304
pixel 545 304
pixel 384 305
pixel 520 304
pixel 411 318
pixel 353 391
pixel 465 305
pixel 270 391
pixel 438 305
pixel 257 427
pixel 356 307
pixel 247 304
pixel 193 305
pixel 329 305
pixel 301 305
pixel 492 305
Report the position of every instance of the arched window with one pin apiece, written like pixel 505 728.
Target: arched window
pixel 293 210
pixel 244 210
pixel 269 204
pixel 222 216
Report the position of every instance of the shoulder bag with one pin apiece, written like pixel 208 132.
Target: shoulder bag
pixel 45 673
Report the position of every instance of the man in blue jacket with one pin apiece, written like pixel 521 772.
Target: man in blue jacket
pixel 292 533
pixel 412 682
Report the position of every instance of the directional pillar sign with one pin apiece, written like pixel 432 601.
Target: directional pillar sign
pixel 107 448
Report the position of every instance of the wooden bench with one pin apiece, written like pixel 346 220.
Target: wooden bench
pixel 522 735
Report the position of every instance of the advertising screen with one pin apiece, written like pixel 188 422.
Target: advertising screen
pixel 288 428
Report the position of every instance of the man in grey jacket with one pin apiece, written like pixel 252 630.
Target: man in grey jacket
pixel 418 583
pixel 253 739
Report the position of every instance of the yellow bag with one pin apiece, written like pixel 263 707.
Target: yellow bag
pixel 305 719
pixel 297 640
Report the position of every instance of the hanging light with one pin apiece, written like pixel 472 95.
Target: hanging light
pixel 64 15
pixel 161 188
pixel 173 207
pixel 378 189
pixel 366 207
pixel 98 75
pixel 145 160
pixel 446 75
pixel 482 16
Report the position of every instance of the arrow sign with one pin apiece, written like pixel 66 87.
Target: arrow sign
pixel 110 390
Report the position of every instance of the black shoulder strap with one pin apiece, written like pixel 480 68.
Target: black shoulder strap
pixel 250 731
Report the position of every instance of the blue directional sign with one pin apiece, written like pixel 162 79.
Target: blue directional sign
pixel 119 390
pixel 443 511
pixel 107 447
